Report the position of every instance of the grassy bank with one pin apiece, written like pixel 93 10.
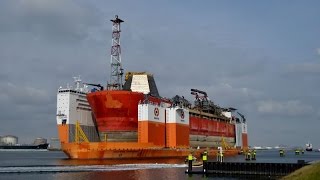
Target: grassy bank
pixel 308 172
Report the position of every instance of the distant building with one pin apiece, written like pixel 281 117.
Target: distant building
pixel 9 140
pixel 54 144
pixel 39 141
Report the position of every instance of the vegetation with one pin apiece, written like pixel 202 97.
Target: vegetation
pixel 307 172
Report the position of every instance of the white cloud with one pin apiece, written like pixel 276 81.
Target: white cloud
pixel 291 107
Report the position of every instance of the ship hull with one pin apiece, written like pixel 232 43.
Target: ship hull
pixel 41 146
pixel 148 133
pixel 308 147
pixel 105 150
pixel 116 110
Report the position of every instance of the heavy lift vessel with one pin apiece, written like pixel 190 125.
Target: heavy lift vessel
pixel 132 121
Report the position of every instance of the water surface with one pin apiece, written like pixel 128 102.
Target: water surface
pixel 55 165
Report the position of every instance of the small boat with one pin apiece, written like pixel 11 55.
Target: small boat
pixel 195 162
pixel 308 147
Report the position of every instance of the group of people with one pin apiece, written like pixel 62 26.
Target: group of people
pixel 251 155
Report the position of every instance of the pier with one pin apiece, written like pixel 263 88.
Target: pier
pixel 247 168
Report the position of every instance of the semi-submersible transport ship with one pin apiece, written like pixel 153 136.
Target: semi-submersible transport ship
pixel 131 120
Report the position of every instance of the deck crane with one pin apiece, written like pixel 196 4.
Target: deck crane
pixel 242 117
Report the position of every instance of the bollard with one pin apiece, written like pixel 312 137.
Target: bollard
pixel 220 157
pixel 220 154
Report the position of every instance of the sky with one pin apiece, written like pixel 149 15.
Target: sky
pixel 261 57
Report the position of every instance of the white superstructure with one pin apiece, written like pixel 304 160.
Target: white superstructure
pixel 177 115
pixel 151 113
pixel 72 106
pixel 140 83
pixel 241 129
pixel 9 140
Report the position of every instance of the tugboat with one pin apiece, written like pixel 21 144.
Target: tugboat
pixel 308 147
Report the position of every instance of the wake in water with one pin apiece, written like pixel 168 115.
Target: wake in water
pixel 91 168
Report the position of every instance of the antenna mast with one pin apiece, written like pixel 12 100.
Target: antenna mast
pixel 115 82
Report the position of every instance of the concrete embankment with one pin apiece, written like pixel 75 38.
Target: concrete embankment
pixel 308 172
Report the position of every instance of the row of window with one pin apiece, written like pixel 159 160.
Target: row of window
pixel 83 108
pixel 78 92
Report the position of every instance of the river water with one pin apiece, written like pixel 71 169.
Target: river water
pixel 55 165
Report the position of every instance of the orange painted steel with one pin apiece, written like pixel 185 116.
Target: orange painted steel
pixel 200 126
pixel 108 150
pixel 177 135
pixel 63 133
pixel 128 150
pixel 151 132
pixel 244 140
pixel 117 110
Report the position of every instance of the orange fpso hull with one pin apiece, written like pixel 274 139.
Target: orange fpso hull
pixel 122 150
pixel 116 110
pixel 199 126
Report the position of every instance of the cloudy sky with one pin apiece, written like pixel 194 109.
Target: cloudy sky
pixel 262 57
